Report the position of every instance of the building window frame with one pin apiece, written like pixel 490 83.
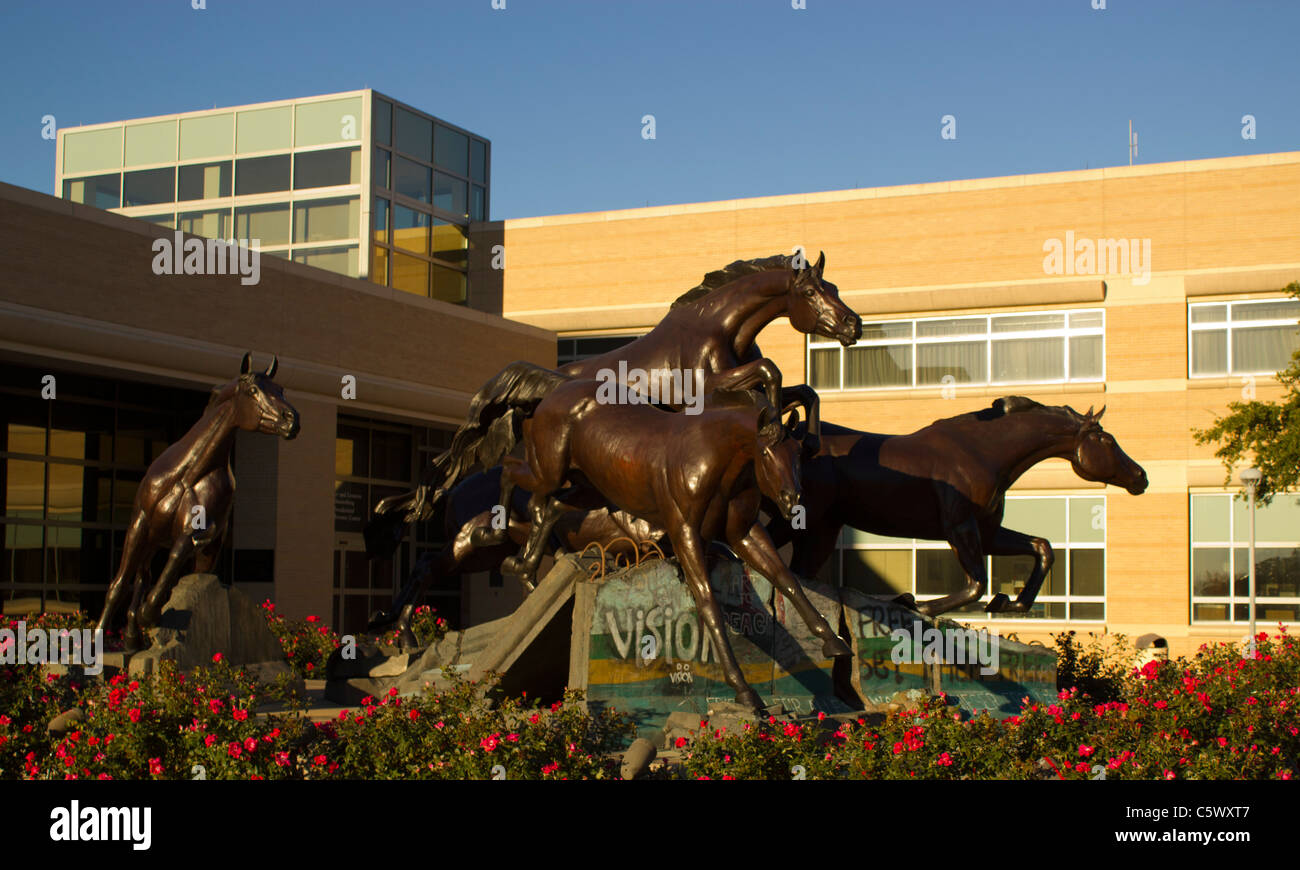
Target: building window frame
pixel 988 337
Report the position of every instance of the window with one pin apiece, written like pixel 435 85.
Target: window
pixel 382 122
pixel 327 121
pixel 151 143
pixel 326 220
pixel 450 242
pixel 451 150
pixel 411 229
pixel 269 224
pixel 261 175
pixel 410 274
pixel 1030 347
pixel 149 187
pixel 204 181
pixel 1241 338
pixel 379 169
pixel 414 135
pixel 327 168
pixel 1221 559
pixel 448 285
pixel 411 179
pixel 68 476
pixel 342 260
pixel 213 224
pixel 1075 589
pixel 449 194
pixel 101 191
pixel 478 160
pixel 574 349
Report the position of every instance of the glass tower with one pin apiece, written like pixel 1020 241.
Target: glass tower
pixel 356 183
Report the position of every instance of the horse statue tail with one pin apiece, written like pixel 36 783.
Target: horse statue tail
pixel 492 429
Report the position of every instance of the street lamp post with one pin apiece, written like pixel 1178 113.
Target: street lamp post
pixel 1250 478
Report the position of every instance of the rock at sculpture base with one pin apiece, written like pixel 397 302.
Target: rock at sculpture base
pixel 203 618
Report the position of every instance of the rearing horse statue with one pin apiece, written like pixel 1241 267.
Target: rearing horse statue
pixel 183 502
pixel 711 329
pixel 947 482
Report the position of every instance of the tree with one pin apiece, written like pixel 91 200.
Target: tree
pixel 1269 432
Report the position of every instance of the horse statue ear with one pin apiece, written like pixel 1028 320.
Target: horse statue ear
pixel 820 265
pixel 1089 413
pixel 247 365
pixel 1097 416
pixel 270 370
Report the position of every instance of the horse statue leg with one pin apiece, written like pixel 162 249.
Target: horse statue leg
pixel 151 610
pixel 1012 543
pixel 965 541
pixel 135 559
pixel 690 555
pixel 758 552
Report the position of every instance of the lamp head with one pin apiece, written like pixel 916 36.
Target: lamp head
pixel 1251 476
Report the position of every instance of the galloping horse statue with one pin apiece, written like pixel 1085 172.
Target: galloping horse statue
pixel 699 477
pixel 946 482
pixel 468 517
pixel 710 329
pixel 192 480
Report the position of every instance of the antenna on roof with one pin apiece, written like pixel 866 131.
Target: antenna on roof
pixel 1132 143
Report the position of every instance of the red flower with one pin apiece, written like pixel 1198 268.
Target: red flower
pixel 214 705
pixel 944 759
pixel 319 760
pixel 680 742
pixel 209 740
pixel 282 759
pixel 216 657
pixel 489 743
pixel 550 768
pixel 1085 750
pixel 233 750
pixel 313 618
pixel 239 713
pixel 134 714
pixel 250 743
pixel 155 766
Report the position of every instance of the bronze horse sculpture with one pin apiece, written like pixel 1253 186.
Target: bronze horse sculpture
pixel 469 519
pixel 947 482
pixel 699 477
pixel 191 481
pixel 710 329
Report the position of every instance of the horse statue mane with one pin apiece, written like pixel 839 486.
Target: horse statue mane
pixel 1021 404
pixel 727 274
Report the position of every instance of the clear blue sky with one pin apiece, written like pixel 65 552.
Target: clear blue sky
pixel 750 97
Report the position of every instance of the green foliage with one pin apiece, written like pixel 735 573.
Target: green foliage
pixel 1216 715
pixel 1097 670
pixel 1265 433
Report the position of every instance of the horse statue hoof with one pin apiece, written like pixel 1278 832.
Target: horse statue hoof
pixel 907 599
pixel 834 648
pixel 752 700
pixel 1000 602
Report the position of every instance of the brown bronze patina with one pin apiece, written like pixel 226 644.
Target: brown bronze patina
pixel 699 477
pixel 947 482
pixel 469 508
pixel 194 473
pixel 712 328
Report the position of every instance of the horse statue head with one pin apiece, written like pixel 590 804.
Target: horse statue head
pixel 815 306
pixel 259 403
pixel 777 466
pixel 1097 456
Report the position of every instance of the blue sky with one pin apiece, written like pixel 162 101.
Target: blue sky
pixel 750 97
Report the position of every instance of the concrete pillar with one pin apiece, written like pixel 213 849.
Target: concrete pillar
pixel 304 550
